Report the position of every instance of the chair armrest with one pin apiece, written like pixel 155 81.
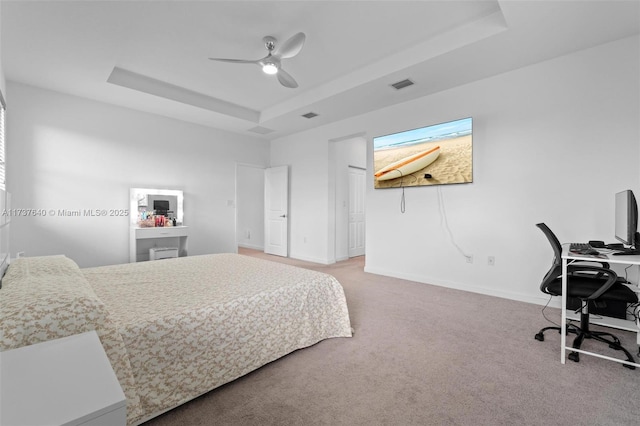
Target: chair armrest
pixel 606 273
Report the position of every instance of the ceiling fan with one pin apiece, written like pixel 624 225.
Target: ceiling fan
pixel 271 63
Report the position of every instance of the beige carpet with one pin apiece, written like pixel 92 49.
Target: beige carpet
pixel 425 355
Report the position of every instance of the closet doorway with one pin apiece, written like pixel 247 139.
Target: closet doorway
pixel 348 161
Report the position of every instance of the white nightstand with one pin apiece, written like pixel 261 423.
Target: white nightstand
pixel 66 381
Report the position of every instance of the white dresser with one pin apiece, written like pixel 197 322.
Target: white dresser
pixel 66 381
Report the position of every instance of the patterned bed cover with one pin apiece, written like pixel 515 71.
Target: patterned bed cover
pixel 176 328
pixel 195 323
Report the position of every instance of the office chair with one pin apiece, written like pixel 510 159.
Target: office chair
pixel 590 284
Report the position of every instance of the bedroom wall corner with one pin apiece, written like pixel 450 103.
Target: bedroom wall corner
pixel 69 155
pixel 308 194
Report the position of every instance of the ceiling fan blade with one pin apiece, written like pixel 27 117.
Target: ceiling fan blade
pixel 291 47
pixel 236 61
pixel 286 80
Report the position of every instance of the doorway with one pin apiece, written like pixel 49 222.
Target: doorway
pixel 347 167
pixel 250 206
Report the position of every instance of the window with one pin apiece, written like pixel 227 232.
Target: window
pixel 3 185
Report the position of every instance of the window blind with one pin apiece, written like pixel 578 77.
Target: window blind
pixel 3 185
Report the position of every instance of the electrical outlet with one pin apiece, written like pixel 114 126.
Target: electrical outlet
pixel 469 258
pixel 491 261
pixel 20 254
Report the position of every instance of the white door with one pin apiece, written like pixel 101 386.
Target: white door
pixel 276 203
pixel 356 211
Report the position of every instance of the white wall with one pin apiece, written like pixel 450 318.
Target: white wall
pixel 250 206
pixel 71 153
pixel 552 142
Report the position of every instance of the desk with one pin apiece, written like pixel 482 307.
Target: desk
pixel 628 325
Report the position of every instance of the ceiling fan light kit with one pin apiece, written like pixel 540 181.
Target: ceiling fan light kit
pixel 270 68
pixel 271 64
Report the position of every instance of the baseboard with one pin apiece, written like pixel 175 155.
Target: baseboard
pixel 538 300
pixel 251 246
pixel 311 259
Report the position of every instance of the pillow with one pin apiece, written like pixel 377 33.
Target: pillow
pixel 42 266
pixel 48 297
pixel 45 298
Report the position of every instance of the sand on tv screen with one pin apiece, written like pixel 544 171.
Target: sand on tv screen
pixel 432 155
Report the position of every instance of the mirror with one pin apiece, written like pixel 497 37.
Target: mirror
pixel 149 200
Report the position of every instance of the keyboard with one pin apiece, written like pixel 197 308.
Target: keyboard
pixel 582 248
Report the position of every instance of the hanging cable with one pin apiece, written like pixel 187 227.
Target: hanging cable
pixel 443 221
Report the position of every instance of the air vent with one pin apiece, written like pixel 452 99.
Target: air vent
pixel 402 84
pixel 261 130
pixel 310 115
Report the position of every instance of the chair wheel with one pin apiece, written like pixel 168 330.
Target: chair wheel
pixel 574 356
pixel 630 367
pixel 540 337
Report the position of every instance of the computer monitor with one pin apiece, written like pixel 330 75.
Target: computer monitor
pixel 626 218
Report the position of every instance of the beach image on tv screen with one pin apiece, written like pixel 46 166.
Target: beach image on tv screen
pixel 431 155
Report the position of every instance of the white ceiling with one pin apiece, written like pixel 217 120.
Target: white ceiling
pixel 354 50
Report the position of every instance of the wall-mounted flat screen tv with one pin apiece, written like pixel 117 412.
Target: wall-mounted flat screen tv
pixel 432 155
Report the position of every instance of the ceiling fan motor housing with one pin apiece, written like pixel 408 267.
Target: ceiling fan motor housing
pixel 269 42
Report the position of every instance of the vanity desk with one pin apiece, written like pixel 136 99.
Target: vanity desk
pixel 166 203
pixel 143 239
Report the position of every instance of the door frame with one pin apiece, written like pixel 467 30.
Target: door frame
pixel 337 167
pixel 237 207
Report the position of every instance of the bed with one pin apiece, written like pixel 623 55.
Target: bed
pixel 177 328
